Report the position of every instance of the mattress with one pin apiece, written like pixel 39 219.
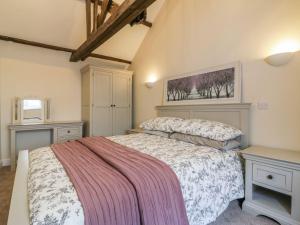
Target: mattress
pixel 210 179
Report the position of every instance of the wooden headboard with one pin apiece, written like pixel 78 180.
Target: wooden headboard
pixel 236 115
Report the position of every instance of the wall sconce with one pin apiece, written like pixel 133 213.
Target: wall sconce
pixel 280 59
pixel 283 53
pixel 151 81
pixel 150 84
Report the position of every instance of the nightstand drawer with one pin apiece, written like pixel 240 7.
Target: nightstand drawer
pixel 273 177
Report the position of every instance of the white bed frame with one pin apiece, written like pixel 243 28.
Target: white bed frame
pixel 233 114
pixel 236 115
pixel 19 212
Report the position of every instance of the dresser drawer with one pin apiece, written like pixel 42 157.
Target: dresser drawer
pixel 275 177
pixel 68 133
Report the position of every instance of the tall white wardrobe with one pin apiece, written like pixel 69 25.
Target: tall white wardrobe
pixel 106 101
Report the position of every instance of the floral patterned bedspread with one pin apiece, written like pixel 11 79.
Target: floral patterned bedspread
pixel 209 180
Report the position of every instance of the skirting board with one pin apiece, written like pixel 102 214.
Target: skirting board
pixel 5 162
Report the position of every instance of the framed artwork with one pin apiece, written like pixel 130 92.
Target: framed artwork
pixel 220 84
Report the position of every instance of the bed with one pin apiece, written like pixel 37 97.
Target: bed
pixel 209 178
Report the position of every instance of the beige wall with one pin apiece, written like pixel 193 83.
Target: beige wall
pixel 27 71
pixel 195 34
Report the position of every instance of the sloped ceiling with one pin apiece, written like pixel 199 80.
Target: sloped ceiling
pixel 62 23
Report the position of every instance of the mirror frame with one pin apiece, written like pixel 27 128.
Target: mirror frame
pixel 17 112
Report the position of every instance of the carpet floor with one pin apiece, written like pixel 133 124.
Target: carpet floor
pixel 232 216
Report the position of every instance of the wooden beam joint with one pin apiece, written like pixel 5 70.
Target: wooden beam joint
pixel 113 7
pixel 104 10
pixel 126 13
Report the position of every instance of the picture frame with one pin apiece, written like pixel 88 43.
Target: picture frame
pixel 214 85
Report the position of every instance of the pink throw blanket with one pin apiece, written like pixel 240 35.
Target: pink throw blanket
pixel 117 185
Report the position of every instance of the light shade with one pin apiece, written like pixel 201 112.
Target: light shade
pixel 150 84
pixel 280 59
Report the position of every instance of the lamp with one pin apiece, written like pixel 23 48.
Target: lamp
pixel 151 81
pixel 283 52
pixel 280 59
pixel 150 84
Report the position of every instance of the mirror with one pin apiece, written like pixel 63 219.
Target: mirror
pixel 31 110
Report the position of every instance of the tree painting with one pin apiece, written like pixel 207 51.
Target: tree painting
pixel 211 85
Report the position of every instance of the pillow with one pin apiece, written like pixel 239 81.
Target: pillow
pixel 164 124
pixel 208 129
pixel 157 133
pixel 197 140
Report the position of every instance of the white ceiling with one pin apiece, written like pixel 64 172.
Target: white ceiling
pixel 62 23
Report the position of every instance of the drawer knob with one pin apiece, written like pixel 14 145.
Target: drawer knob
pixel 69 131
pixel 270 177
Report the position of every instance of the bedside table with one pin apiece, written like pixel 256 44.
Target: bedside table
pixel 135 131
pixel 273 184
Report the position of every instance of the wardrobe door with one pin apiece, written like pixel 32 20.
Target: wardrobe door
pixel 122 103
pixel 102 104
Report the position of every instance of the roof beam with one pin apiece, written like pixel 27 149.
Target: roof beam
pixel 126 13
pixel 104 10
pixel 114 7
pixel 95 17
pixel 146 23
pixel 58 48
pixel 88 17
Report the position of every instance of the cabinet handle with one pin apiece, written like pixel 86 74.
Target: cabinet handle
pixel 270 177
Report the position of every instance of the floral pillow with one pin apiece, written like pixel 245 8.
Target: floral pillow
pixel 164 124
pixel 208 129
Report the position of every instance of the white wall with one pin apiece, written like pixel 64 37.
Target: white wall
pixel 28 71
pixel 195 34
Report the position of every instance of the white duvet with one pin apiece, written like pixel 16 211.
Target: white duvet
pixel 209 180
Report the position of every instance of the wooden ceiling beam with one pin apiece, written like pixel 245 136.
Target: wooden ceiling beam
pixel 58 48
pixel 114 7
pixel 95 16
pixel 146 23
pixel 104 10
pixel 126 13
pixel 88 17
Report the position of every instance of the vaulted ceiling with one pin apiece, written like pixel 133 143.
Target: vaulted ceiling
pixel 63 23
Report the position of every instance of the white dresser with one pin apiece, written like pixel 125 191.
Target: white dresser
pixel 57 132
pixel 273 184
